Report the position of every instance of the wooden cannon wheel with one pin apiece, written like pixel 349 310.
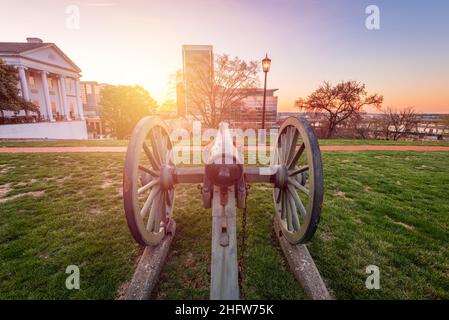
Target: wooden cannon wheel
pixel 298 192
pixel 148 190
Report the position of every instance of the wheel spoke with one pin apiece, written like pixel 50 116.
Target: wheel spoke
pixel 298 185
pixel 295 218
pixel 155 208
pixel 169 198
pixel 149 185
pixel 149 171
pixel 154 192
pixel 298 171
pixel 289 213
pixel 281 207
pixel 160 215
pixel 295 159
pixel 297 200
pixel 278 195
pixel 283 149
pixel 153 160
pixel 292 145
pixel 288 137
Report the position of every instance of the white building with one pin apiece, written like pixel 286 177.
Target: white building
pixel 50 80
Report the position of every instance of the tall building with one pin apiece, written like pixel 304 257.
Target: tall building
pixel 51 80
pixel 197 63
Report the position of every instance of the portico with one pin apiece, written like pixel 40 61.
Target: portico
pixel 49 91
pixel 47 78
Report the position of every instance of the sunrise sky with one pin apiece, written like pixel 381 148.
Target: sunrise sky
pixel 309 41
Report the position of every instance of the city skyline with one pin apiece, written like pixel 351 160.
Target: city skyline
pixel 139 43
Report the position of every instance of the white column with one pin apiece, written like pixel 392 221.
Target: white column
pixel 46 95
pixel 64 97
pixel 60 105
pixel 24 83
pixel 78 99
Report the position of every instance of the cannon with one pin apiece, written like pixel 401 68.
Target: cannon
pixel 151 176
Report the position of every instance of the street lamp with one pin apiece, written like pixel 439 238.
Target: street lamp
pixel 266 63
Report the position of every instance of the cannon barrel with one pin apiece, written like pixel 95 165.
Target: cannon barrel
pixel 224 165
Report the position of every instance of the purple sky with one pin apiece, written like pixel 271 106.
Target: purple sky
pixel 139 42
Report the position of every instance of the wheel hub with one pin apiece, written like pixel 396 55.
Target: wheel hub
pixel 166 177
pixel 281 177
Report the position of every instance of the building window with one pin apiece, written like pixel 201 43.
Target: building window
pixel 50 83
pixel 32 81
pixel 70 87
pixel 53 107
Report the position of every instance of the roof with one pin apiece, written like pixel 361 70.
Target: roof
pixel 17 48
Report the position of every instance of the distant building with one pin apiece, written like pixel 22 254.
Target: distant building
pixel 50 80
pixel 249 113
pixel 197 61
pixel 90 96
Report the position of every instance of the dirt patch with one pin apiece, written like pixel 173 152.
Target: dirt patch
pixel 326 236
pixel 340 194
pixel 424 167
pixel 190 262
pixel 4 189
pixel 94 211
pixel 35 194
pixel 4 168
pixel 122 290
pixel 107 184
pixel 27 183
pixel 264 188
pixel 406 226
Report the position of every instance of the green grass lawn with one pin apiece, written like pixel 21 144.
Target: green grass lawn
pixel 389 209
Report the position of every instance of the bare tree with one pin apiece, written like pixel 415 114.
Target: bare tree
pixel 213 97
pixel 398 123
pixel 338 103
pixel 361 126
pixel 445 125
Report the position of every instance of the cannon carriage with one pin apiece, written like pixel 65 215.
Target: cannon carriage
pixel 151 175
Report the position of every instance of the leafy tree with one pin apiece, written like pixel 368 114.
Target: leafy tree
pixel 338 103
pixel 123 106
pixel 9 91
pixel 210 97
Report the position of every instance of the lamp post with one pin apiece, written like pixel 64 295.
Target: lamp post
pixel 266 63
